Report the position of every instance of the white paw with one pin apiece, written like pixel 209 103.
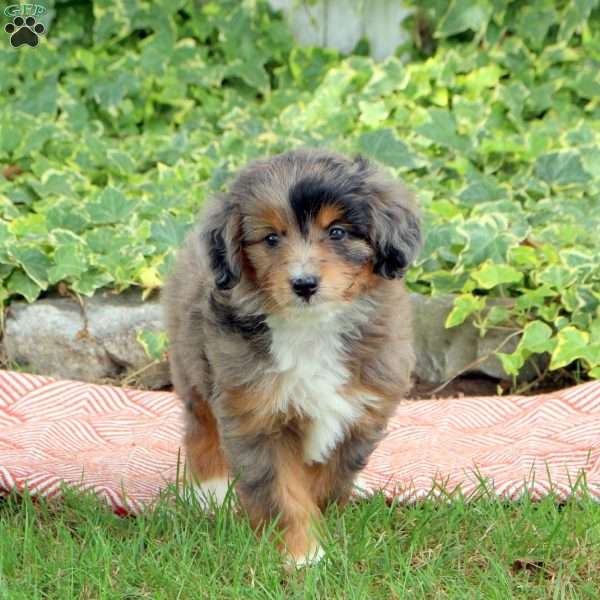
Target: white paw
pixel 361 488
pixel 312 558
pixel 211 492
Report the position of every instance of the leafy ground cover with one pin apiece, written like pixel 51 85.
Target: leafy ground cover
pixel 77 548
pixel 116 127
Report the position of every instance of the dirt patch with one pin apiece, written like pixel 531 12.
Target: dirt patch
pixel 459 387
pixel 473 386
pixel 464 386
pixel 476 385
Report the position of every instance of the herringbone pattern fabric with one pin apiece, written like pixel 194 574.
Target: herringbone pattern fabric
pixel 124 443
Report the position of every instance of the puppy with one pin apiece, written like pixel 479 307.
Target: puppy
pixel 290 334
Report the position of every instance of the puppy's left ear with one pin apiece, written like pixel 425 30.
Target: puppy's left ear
pixel 395 229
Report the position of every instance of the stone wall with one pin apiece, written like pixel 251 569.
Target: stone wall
pixel 97 341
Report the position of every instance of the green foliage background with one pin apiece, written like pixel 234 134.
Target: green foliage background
pixel 129 113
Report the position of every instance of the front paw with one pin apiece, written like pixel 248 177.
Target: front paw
pixel 361 489
pixel 309 559
pixel 211 493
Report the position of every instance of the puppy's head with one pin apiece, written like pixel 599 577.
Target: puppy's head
pixel 309 227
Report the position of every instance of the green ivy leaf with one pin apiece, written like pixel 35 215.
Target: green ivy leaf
pixel 464 306
pixel 536 338
pixel 19 283
pixel 490 275
pixel 34 262
pixel 511 363
pixel 70 263
pixel 571 345
pixel 497 314
pixel 463 15
pixel 169 233
pixel 121 161
pixel 557 277
pixel 441 129
pixel 110 207
pixel 90 281
pixel 575 17
pixel 66 215
pixel 252 73
pixel 30 226
pixel 535 19
pixel 561 168
pixel 372 113
pixel 154 343
pixel 445 282
pixel 385 147
pixel 523 256
pixel 483 190
pixel 484 242
pixel 112 19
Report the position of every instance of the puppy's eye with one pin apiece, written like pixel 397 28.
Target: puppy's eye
pixel 337 233
pixel 272 240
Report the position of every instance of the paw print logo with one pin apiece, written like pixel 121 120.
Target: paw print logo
pixel 24 31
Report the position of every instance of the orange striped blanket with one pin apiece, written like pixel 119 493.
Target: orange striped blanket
pixel 124 443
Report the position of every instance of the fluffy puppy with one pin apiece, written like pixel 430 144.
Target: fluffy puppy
pixel 290 334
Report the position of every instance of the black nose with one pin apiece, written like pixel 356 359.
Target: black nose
pixel 305 287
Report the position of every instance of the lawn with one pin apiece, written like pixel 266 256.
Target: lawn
pixel 76 548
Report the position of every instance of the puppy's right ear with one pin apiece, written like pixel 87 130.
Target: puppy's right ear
pixel 223 231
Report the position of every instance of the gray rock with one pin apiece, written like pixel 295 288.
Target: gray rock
pixel 443 353
pixel 57 337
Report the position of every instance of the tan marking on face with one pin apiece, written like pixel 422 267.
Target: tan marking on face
pixel 274 218
pixel 343 280
pixel 256 226
pixel 328 215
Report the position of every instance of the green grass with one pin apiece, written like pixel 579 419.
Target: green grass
pixel 76 548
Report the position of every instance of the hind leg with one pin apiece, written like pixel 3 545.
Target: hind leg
pixel 206 464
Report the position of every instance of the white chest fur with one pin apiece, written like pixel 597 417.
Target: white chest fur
pixel 308 353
